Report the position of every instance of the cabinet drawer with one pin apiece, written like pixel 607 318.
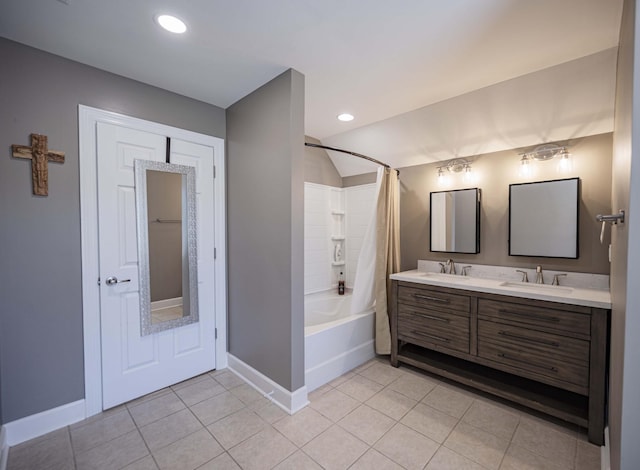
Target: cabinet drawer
pixel 531 316
pixel 538 342
pixel 433 328
pixel 543 367
pixel 434 299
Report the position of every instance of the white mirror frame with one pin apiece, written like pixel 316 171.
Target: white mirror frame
pixel 140 168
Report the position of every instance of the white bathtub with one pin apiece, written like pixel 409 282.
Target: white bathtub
pixel 335 340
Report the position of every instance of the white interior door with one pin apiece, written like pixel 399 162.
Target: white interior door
pixel 133 365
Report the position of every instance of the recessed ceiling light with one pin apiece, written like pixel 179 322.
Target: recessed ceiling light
pixel 171 24
pixel 345 117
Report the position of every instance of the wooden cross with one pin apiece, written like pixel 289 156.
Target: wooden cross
pixel 40 156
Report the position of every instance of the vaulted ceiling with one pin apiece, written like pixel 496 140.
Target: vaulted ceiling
pixel 376 59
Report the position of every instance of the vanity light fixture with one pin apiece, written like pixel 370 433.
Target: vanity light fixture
pixel 544 153
pixel 345 117
pixel 171 24
pixel 457 165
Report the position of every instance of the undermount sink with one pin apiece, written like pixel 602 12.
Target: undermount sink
pixel 537 287
pixel 446 277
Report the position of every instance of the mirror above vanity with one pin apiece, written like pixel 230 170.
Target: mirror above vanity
pixel 455 221
pixel 543 218
pixel 166 222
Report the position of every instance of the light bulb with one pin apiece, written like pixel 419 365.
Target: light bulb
pixel 525 167
pixel 443 180
pixel 468 176
pixel 565 163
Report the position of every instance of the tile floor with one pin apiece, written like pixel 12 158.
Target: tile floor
pixel 375 417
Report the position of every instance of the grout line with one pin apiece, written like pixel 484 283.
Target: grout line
pixel 180 385
pixel 311 458
pixel 141 437
pixel 206 427
pixel 231 457
pixel 107 441
pixel 73 454
pixel 504 455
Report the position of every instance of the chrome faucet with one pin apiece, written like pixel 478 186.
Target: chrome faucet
pixel 525 276
pixel 452 266
pixel 556 280
pixel 465 270
pixel 539 276
pixel 442 270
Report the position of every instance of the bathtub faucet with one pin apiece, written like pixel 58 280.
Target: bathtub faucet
pixel 452 266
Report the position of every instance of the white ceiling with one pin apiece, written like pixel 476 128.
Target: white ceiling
pixel 374 58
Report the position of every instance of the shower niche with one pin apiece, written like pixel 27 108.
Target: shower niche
pixel 337 228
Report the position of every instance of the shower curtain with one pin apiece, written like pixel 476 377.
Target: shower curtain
pixel 379 257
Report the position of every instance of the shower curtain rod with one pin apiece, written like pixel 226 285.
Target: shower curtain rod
pixel 349 152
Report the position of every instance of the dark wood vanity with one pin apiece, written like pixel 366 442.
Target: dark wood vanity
pixel 548 356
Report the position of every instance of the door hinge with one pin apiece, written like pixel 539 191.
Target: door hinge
pixel 214 171
pixel 215 253
pixel 98 281
pixel 216 333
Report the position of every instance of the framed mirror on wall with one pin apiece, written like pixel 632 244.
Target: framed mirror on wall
pixel 167 244
pixel 454 220
pixel 544 218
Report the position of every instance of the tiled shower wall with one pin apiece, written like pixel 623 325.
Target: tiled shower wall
pixel 317 237
pixel 320 224
pixel 359 205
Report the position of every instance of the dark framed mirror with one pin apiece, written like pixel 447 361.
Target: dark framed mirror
pixel 544 218
pixel 454 221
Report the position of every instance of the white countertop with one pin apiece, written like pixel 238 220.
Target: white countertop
pixel 562 294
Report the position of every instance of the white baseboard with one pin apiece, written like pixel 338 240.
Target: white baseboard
pixel 288 401
pixel 605 451
pixel 23 429
pixel 336 366
pixel 4 448
pixel 222 361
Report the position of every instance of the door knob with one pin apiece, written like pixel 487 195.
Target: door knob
pixel 111 280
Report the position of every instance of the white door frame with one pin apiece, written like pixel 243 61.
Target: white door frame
pixel 87 123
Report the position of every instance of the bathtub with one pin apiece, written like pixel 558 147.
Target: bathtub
pixel 335 341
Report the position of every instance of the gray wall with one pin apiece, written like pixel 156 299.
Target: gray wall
pixel 40 280
pixel 318 167
pixel 1 420
pixel 592 163
pixel 265 213
pixel 624 384
pixel 357 180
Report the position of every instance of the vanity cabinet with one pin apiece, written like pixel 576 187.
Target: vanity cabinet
pixel 548 356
